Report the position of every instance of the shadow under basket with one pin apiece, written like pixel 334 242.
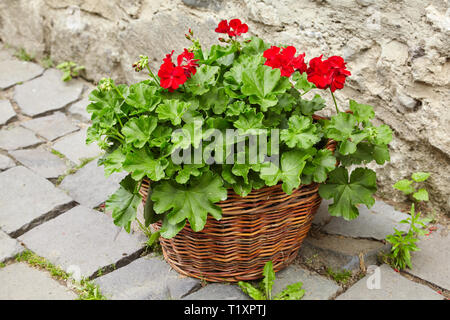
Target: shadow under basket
pixel 265 225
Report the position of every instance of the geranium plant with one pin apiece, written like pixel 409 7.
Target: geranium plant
pixel 242 86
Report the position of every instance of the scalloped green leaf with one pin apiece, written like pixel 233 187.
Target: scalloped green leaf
pixel 348 194
pixel 192 202
pixel 302 133
pixel 124 202
pixel 137 131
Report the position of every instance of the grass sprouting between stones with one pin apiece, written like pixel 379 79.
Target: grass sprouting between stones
pixel 84 161
pixel 341 277
pixel 23 55
pixel 85 289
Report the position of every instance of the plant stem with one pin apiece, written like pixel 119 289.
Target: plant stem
pixel 152 74
pixel 335 103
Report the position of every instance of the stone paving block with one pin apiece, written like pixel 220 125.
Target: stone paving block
pixel 5 54
pixel 78 109
pixel 16 137
pixel 340 253
pixel 51 127
pixel 6 162
pixel 27 199
pixel 147 278
pixel 22 282
pixel 15 71
pixel 89 186
pixel 393 286
pixel 316 286
pixel 376 222
pixel 83 238
pixel 6 111
pixel 432 262
pixel 46 93
pixel 74 147
pixel 218 291
pixel 41 161
pixel 9 247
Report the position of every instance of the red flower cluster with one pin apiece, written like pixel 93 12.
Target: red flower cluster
pixel 285 60
pixel 330 73
pixel 233 29
pixel 171 75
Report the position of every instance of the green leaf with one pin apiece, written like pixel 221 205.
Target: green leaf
pixel 292 164
pixel 143 97
pixel 420 176
pixel 141 163
pixel 216 99
pixel 191 202
pixel 203 80
pixel 263 85
pixel 254 46
pixel 112 162
pixel 322 163
pixel 236 108
pixel 150 215
pixel 302 133
pixel 217 52
pixel 160 136
pixel 268 280
pixel 421 195
pixel 404 186
pixel 362 112
pixel 249 122
pixel 172 110
pixel 309 107
pixel 365 153
pixel 383 135
pixel 188 170
pixel 341 126
pixel 233 77
pixel 190 134
pixel 124 202
pixel 348 194
pixel 251 291
pixel 302 82
pixel 292 292
pixel 137 131
pixel 169 230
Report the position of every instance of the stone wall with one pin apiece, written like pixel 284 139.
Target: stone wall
pixel 397 51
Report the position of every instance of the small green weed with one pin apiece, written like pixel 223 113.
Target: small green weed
pixel 70 70
pixel 86 289
pixel 340 277
pixel 264 292
pixel 405 243
pixel 21 54
pixel 47 63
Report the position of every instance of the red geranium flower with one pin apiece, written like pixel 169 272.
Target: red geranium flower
pixel 172 76
pixel 190 64
pixel 233 29
pixel 338 71
pixel 330 73
pixel 285 60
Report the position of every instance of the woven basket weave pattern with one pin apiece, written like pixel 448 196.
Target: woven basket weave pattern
pixel 265 225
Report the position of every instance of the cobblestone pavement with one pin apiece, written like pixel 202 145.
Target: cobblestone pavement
pixel 50 195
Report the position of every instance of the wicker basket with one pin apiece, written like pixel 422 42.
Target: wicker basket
pixel 265 225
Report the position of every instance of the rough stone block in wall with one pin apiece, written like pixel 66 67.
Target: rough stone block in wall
pixel 397 52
